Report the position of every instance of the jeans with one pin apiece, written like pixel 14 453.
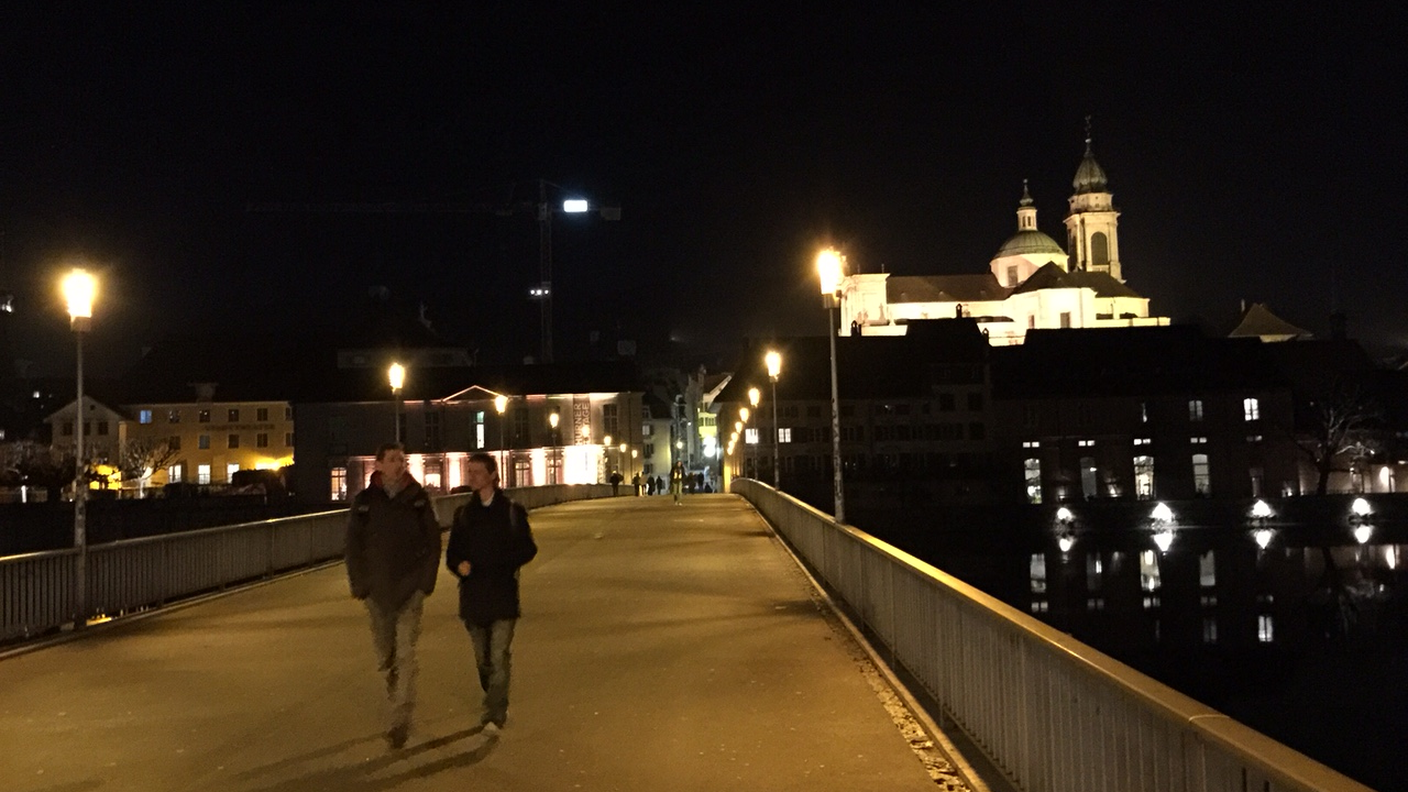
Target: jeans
pixel 492 656
pixel 394 635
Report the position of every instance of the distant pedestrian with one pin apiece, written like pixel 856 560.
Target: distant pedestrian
pixel 615 478
pixel 489 540
pixel 660 485
pixel 677 475
pixel 393 556
pixel 635 483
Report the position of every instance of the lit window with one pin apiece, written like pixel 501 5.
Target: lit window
pixel 1144 477
pixel 1038 573
pixel 1139 441
pixel 1207 570
pixel 1198 440
pixel 202 474
pixel 339 484
pixel 1202 480
pixel 1253 438
pixel 173 474
pixel 1251 409
pixel 1195 409
pixel 144 416
pixel 1149 579
pixel 1032 472
pixel 1265 628
pixel 1031 444
pixel 1085 443
pixel 230 471
pixel 750 435
pixel 784 434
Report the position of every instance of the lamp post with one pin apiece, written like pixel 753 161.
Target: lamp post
pixel 396 375
pixel 500 405
pixel 774 364
pixel 830 266
pixel 79 290
pixel 754 396
pixel 553 419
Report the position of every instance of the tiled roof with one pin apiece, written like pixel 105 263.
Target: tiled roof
pixel 944 288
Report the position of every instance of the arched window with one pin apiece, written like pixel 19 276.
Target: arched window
pixel 1099 249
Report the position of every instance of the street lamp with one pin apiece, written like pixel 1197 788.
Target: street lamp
pixel 500 405
pixel 754 396
pixel 830 266
pixel 396 375
pixel 80 288
pixel 774 364
pixel 553 419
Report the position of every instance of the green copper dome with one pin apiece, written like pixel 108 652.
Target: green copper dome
pixel 1029 241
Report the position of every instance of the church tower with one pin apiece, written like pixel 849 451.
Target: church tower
pixel 1092 226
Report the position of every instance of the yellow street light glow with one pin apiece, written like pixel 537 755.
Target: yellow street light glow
pixel 623 448
pixel 500 404
pixel 553 418
pixel 586 432
pixel 774 363
pixel 80 289
pixel 829 266
pixel 743 413
pixel 754 396
pixel 397 376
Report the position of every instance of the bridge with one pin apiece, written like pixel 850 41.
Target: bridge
pixel 743 642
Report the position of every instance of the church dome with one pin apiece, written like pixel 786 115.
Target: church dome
pixel 1027 242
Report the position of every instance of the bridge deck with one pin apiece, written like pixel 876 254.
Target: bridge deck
pixel 661 648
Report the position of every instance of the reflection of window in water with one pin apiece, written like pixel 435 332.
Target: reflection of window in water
pixel 1094 571
pixel 1149 571
pixel 1038 573
pixel 1143 477
pixel 1032 470
pixel 1088 477
pixel 1207 570
pixel 1265 628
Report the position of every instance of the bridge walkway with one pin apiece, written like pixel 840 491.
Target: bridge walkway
pixel 661 647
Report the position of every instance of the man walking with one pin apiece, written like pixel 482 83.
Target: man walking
pixel 489 541
pixel 393 557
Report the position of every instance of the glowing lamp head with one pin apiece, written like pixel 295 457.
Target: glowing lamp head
pixel 773 360
pixel 1164 539
pixel 586 432
pixel 1360 507
pixel 830 267
pixel 1064 515
pixel 80 289
pixel 396 375
pixel 606 441
pixel 1262 537
pixel 743 414
pixel 553 419
pixel 1162 513
pixel 754 396
pixel 623 448
pixel 1363 533
pixel 500 404
pixel 574 205
pixel 1065 542
pixel 1261 510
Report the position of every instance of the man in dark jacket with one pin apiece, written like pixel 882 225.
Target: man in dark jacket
pixel 393 557
pixel 489 540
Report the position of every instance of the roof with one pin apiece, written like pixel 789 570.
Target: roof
pixel 1028 240
pixel 868 367
pixel 1052 276
pixel 1090 177
pixel 944 288
pixel 1260 322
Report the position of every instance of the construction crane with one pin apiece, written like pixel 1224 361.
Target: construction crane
pixel 541 292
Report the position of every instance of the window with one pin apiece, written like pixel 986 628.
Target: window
pixel 1144 477
pixel 261 440
pixel 1265 628
pixel 233 441
pixel 1085 443
pixel 1031 471
pixel 68 428
pixel 173 416
pixel 1149 578
pixel 1142 441
pixel 1202 481
pixel 261 414
pixel 1031 444
pixel 1144 412
pixel 230 471
pixel 1037 569
pixel 1251 409
pixel 102 427
pixel 203 416
pixel 1012 277
pixel 784 434
pixel 144 416
pixel 432 430
pixel 288 439
pixel 1089 478
pixel 338 491
pixel 1099 249
pixel 975 402
pixel 1254 438
pixel 202 474
pixel 288 413
pixel 234 415
pixel 647 450
pixel 1065 319
pixel 609 419
pixel 750 435
pixel 1209 629
pixel 1094 571
pixel 174 443
pixel 1195 409
pixel 1197 440
pixel 174 474
pixel 203 442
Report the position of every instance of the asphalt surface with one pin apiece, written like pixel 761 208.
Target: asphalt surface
pixel 661 648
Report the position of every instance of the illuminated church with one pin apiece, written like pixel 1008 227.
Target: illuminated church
pixel 1031 281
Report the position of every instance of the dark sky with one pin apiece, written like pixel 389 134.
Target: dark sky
pixel 1254 154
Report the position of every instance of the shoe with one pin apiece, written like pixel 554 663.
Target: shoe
pixel 396 736
pixel 490 729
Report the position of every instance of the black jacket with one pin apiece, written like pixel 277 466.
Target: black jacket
pixel 393 544
pixel 496 540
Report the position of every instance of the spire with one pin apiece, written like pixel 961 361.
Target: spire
pixel 1087 136
pixel 1026 210
pixel 1090 177
pixel 1026 195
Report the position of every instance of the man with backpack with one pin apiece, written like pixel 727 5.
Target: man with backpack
pixel 489 540
pixel 393 557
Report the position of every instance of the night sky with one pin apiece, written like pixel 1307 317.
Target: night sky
pixel 1254 153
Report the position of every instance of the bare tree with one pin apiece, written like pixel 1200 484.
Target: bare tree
pixel 142 457
pixel 1342 422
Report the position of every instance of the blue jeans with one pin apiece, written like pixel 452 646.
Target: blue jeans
pixel 492 656
pixel 394 636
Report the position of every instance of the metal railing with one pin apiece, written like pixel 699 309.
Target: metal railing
pixel 1049 712
pixel 37 589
